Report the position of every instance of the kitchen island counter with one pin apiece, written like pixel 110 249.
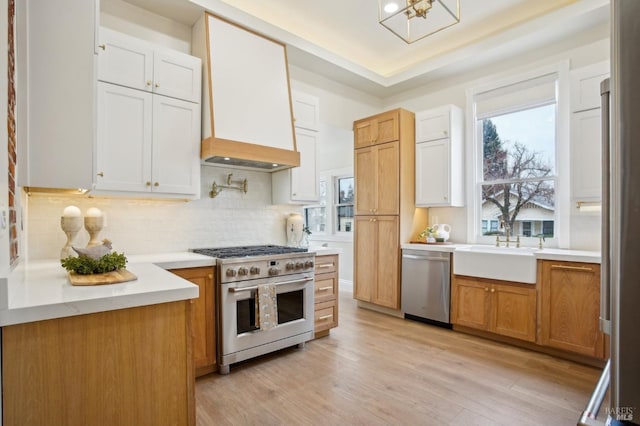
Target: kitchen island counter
pixel 40 290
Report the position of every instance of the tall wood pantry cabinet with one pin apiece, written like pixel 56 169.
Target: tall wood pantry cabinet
pixel 384 203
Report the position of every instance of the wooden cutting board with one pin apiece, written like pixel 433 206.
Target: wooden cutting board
pixel 114 277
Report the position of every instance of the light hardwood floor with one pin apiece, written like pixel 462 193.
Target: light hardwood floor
pixel 376 370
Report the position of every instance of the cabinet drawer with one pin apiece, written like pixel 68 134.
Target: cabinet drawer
pixel 326 315
pixel 326 287
pixel 326 264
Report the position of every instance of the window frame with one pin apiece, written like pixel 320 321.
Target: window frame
pixel 331 178
pixel 474 156
pixel 337 204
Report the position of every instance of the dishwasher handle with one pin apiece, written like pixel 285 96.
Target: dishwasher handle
pixel 413 256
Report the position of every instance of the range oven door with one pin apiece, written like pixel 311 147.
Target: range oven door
pixel 238 326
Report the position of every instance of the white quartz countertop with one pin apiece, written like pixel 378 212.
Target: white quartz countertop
pixel 544 254
pixel 322 251
pixel 40 290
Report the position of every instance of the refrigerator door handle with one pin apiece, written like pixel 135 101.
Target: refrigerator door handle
pixel 590 415
pixel 605 276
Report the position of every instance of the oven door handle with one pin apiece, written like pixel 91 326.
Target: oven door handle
pixel 255 287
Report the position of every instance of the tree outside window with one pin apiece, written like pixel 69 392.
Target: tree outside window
pixel 518 185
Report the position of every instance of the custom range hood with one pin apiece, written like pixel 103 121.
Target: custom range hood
pixel 247 118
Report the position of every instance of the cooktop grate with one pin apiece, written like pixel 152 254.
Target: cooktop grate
pixel 246 251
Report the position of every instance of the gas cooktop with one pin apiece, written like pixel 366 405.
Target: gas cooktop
pixel 246 251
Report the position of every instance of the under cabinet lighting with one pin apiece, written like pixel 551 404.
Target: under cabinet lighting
pixel 589 206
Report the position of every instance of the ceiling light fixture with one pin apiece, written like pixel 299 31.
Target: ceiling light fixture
pixel 413 20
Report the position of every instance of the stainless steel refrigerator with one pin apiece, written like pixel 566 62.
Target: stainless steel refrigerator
pixel 620 281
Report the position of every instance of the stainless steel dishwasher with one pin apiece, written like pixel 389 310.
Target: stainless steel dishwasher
pixel 426 286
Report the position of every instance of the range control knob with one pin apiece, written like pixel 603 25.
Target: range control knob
pixel 274 271
pixel 254 270
pixel 231 272
pixel 290 266
pixel 308 264
pixel 299 265
pixel 243 271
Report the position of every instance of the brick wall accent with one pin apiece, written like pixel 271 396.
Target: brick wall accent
pixel 11 129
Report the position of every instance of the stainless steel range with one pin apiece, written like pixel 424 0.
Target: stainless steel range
pixel 264 300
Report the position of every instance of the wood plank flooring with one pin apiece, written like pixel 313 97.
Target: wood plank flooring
pixel 378 370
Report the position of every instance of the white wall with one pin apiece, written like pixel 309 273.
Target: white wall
pixel 137 22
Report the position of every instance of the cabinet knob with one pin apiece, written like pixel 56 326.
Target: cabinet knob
pixel 102 46
pixel 148 183
pixel 445 197
pixel 210 276
pixel 156 184
pixel 294 194
pixel 445 133
pixel 157 85
pixel 486 289
pixel 101 174
pixel 493 290
pixel 148 83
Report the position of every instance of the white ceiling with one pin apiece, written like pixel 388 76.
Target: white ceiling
pixel 343 40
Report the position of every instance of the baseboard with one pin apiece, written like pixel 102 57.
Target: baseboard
pixel 380 309
pixel 345 285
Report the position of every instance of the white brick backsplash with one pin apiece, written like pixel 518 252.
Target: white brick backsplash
pixel 137 226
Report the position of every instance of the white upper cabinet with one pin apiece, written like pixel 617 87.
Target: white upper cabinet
pixel 306 111
pixel 585 86
pixel 439 157
pixel 123 157
pixel 586 147
pixel 433 125
pixel 135 63
pixel 299 185
pixel 56 92
pixel 148 119
pixel 586 131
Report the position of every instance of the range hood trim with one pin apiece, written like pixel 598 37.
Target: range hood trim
pixel 259 154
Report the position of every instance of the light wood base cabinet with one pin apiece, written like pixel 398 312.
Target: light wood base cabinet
pixel 326 294
pixel 203 315
pixel 124 367
pixel 377 276
pixel 570 307
pixel 508 309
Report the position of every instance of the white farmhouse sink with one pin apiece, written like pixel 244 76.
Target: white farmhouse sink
pixel 500 263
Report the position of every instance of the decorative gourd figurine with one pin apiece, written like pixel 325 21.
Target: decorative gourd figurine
pixel 95 252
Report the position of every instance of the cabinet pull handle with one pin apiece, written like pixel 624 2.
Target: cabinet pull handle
pixel 573 268
pixel 102 46
pixel 101 174
pixel 325 288
pixel 326 265
pixel 324 317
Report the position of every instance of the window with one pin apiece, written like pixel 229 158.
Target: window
pixel 315 217
pixel 334 214
pixel 344 204
pixel 516 173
